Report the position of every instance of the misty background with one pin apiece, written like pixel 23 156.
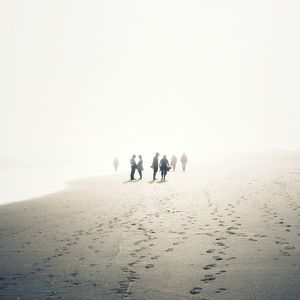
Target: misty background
pixel 85 81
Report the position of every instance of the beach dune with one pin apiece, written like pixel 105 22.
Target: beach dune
pixel 218 232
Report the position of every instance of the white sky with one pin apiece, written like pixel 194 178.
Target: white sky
pixel 105 78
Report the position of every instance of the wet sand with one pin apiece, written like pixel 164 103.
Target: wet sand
pixel 220 232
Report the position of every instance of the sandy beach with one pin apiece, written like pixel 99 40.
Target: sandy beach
pixel 219 232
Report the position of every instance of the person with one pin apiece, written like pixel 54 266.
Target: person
pixel 164 167
pixel 155 165
pixel 116 164
pixel 133 167
pixel 140 167
pixel 183 161
pixel 173 162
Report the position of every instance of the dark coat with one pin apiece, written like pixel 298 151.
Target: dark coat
pixel 155 163
pixel 133 163
pixel 140 165
pixel 164 164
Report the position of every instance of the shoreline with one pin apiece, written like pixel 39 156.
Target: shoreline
pixel 51 188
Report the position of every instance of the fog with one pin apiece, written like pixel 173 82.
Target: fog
pixel 99 79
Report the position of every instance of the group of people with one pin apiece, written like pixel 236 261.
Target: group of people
pixel 136 166
pixel 183 161
pixel 163 165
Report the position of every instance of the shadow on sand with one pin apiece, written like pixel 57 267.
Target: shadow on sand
pixel 164 181
pixel 131 181
pixel 157 181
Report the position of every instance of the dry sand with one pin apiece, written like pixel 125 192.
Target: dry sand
pixel 217 233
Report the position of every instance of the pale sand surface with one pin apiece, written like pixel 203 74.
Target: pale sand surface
pixel 221 232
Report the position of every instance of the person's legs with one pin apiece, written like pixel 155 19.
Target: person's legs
pixel 132 173
pixel 140 173
pixel 154 173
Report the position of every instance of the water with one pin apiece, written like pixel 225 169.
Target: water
pixel 25 180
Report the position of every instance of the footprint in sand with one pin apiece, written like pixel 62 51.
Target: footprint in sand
pixel 220 244
pixel 208 278
pixel 149 266
pixel 284 253
pixel 209 267
pixel 231 228
pixel 196 290
pixel 220 290
pixel 210 250
pixel 281 242
pixel 290 247
pixel 218 258
pixel 252 240
pixel 122 288
pixel 209 234
pixel 231 258
pixel 155 257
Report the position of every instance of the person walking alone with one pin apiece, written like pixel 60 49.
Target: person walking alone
pixel 116 164
pixel 184 161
